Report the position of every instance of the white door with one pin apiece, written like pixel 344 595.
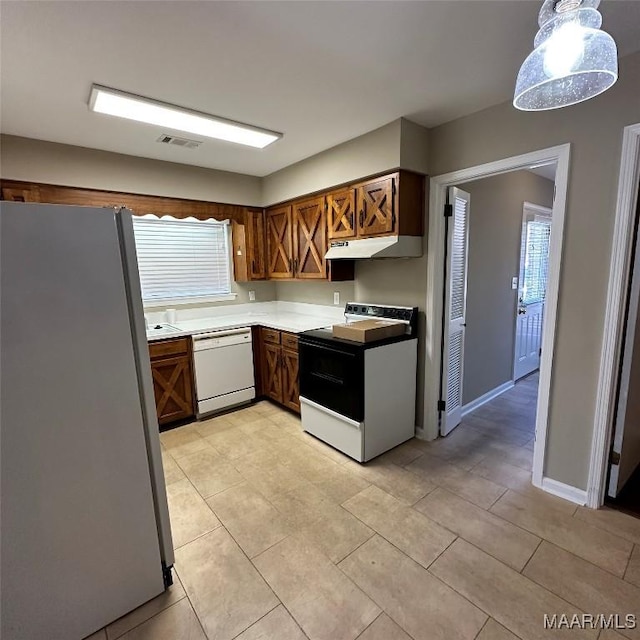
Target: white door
pixel 455 305
pixel 534 266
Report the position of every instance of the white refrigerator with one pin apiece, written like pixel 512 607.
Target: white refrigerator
pixel 85 527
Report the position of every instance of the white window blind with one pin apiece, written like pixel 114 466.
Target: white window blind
pixel 536 261
pixel 182 259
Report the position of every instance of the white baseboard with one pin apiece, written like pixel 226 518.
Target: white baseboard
pixel 566 491
pixel 487 397
pixel 420 433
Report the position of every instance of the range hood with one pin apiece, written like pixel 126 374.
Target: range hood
pixel 384 247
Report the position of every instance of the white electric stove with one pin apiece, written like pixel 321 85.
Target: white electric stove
pixel 360 397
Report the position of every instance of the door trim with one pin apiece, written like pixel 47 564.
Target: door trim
pixel 435 260
pixel 619 274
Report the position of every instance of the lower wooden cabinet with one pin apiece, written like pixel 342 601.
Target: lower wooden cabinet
pixel 290 387
pixel 172 374
pixel 278 364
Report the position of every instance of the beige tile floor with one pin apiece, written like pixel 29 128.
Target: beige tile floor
pixel 280 537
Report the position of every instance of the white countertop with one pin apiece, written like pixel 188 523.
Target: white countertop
pixel 282 316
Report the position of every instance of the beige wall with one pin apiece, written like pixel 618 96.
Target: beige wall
pixel 403 282
pixel 594 129
pixel 315 292
pixel 53 163
pixel 414 147
pixel 371 153
pixel 495 228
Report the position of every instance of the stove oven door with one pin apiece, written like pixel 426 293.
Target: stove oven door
pixel 333 377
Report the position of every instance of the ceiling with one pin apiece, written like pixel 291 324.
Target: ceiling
pixel 320 72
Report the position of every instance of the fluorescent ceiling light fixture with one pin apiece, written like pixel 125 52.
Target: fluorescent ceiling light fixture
pixel 573 59
pixel 127 105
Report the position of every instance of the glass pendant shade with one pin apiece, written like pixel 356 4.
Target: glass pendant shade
pixel 573 59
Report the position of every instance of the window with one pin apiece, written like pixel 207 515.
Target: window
pixel 535 265
pixel 182 260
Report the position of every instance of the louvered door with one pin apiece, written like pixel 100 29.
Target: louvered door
pixel 279 242
pixel 310 239
pixel 376 207
pixel 455 309
pixel 341 214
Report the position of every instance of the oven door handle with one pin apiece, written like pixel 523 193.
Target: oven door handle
pixel 315 345
pixel 327 377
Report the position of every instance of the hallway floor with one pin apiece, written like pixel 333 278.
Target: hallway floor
pixel 280 537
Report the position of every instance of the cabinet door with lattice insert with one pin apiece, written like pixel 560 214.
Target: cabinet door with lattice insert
pixel 172 388
pixel 279 242
pixel 376 208
pixel 290 387
pixel 341 214
pixel 310 238
pixel 271 374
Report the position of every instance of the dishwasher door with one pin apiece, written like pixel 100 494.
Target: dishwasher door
pixel 224 369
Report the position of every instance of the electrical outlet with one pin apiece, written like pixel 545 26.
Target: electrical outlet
pixel 252 296
pixel 336 297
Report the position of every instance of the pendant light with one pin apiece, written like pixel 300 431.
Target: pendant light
pixel 573 59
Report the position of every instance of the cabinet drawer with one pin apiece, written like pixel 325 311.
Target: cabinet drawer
pixel 289 341
pixel 270 335
pixel 163 348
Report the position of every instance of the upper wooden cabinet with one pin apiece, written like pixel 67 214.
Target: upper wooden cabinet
pixel 21 193
pixel 309 239
pixel 249 247
pixel 388 205
pixel 376 207
pixel 279 242
pixel 341 214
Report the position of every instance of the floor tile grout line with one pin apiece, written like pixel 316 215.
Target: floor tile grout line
pixel 597 525
pixel 506 626
pixel 202 535
pixel 624 576
pixel 526 564
pixel 258 620
pixel 557 595
pixel 382 613
pixel 149 618
pixel 486 622
pixel 563 547
pixel 357 586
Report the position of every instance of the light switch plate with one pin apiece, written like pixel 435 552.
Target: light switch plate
pixel 252 296
pixel 336 297
pixel 514 283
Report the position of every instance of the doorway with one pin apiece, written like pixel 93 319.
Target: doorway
pixel 623 487
pixel 438 334
pixel 496 267
pixel 617 320
pixel 532 288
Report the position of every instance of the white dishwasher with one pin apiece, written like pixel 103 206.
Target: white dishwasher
pixel 224 369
